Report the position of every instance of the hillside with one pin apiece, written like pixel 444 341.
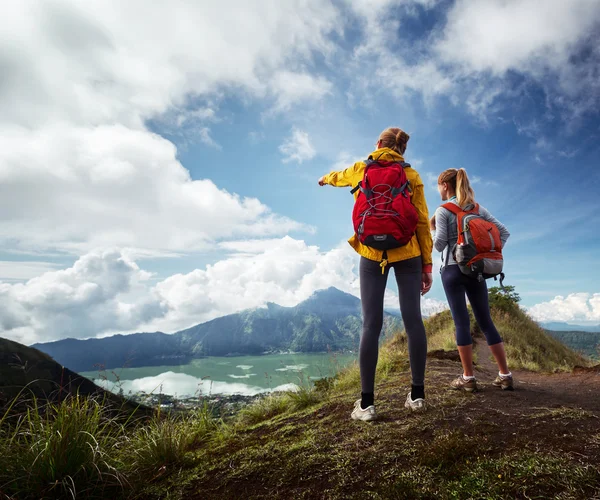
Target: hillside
pixel 328 320
pixel 542 440
pixel 26 367
pixel 587 343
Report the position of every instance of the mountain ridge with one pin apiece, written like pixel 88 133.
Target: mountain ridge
pixel 561 326
pixel 327 320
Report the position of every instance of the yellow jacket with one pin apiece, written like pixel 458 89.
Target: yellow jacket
pixel 421 243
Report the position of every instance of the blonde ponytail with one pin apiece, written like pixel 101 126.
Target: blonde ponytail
pixel 464 192
pixel 459 182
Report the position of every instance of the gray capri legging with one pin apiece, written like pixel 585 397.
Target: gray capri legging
pixel 372 289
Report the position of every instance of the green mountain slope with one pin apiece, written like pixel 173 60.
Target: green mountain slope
pixel 587 343
pixel 528 345
pixel 30 372
pixel 329 320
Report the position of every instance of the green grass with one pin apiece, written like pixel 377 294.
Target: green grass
pixel 521 475
pixel 348 379
pixel 526 475
pixel 527 345
pixel 79 449
pixel 305 396
pixel 61 451
pixel 163 442
pixel 563 413
pixel 263 409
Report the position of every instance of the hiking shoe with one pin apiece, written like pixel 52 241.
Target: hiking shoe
pixel 415 404
pixel 366 415
pixel 505 383
pixel 460 384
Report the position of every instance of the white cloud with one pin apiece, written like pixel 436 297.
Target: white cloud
pixel 383 54
pixel 297 147
pixel 102 61
pixel 76 189
pixel 106 292
pixel 78 167
pixel 521 35
pixel 572 308
pixel 284 271
pixel 470 57
pixel 101 291
pixel 291 88
pixel 11 270
pixel 541 39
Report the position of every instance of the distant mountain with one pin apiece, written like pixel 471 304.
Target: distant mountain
pixel 22 366
pixel 328 320
pixel 587 343
pixel 566 327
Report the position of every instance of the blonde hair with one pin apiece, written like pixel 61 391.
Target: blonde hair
pixel 459 182
pixel 394 138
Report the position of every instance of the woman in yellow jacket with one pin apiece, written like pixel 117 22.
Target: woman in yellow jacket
pixel 412 267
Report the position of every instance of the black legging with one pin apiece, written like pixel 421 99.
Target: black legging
pixel 372 289
pixel 456 284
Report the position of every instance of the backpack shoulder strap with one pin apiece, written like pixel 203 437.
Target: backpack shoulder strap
pixel 455 209
pixel 368 162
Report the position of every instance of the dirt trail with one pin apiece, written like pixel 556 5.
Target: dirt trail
pixel 577 389
pixel 546 413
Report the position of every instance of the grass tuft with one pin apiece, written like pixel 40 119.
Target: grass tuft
pixel 264 409
pixel 61 450
pixel 163 442
pixel 563 413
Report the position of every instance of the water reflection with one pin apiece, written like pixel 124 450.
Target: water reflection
pixel 184 385
pixel 245 375
pixel 292 368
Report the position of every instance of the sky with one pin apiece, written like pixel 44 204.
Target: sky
pixel 159 161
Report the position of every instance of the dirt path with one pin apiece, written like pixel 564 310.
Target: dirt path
pixel 323 454
pixel 578 389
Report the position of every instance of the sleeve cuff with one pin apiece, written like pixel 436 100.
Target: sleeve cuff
pixel 427 268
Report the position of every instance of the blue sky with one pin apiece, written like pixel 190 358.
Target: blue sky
pixel 155 183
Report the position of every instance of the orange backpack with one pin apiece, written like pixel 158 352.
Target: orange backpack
pixel 478 251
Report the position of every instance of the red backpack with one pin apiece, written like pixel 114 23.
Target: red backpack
pixel 383 215
pixel 478 250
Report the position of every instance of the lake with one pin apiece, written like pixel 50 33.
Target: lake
pixel 246 375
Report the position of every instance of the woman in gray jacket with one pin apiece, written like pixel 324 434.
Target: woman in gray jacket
pixel 454 187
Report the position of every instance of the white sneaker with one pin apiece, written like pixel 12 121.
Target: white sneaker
pixel 366 415
pixel 416 405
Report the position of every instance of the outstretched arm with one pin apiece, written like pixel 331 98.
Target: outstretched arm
pixel 343 178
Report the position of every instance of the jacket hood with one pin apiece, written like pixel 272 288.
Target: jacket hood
pixel 386 154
